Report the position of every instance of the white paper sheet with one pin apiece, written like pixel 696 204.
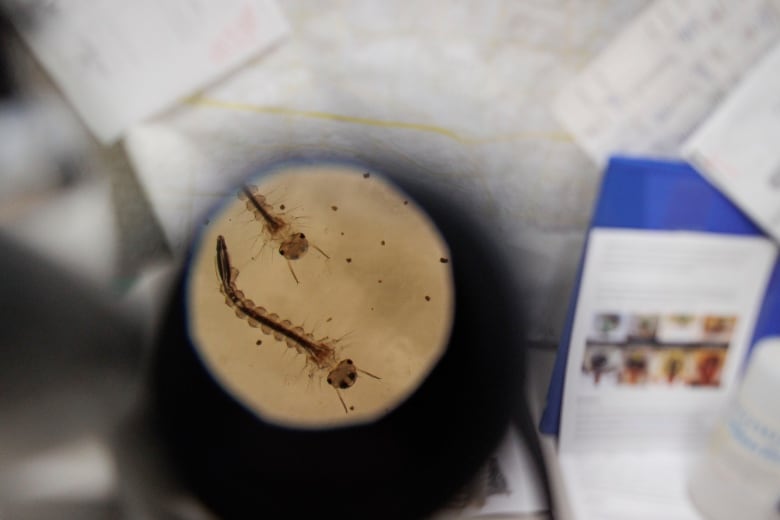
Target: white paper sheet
pixel 737 148
pixel 662 324
pixel 629 486
pixel 664 74
pixel 121 62
pixel 523 492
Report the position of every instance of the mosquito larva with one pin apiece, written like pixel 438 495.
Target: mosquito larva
pixel 341 374
pixel 292 244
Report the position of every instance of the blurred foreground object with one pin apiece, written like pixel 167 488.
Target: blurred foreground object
pixel 70 360
pixel 739 475
pixel 39 140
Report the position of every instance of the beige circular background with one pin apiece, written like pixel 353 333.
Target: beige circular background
pixel 384 297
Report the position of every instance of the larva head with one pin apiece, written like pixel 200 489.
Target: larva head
pixel 294 247
pixel 344 375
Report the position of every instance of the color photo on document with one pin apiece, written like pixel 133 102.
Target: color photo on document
pixel 657 349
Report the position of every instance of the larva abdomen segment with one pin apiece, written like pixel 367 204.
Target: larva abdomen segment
pixel 250 192
pixel 292 343
pixel 318 352
pixel 261 210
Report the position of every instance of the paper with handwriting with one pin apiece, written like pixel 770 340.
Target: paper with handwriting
pixel 663 74
pixel 121 62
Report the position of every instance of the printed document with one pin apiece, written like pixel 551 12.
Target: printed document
pixel 662 325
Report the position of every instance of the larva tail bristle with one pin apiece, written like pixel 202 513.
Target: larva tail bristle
pixel 265 328
pixel 287 323
pixel 368 373
pixel 320 251
pixel 342 400
pixel 260 310
pixel 278 336
pixel 292 272
pixel 253 323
